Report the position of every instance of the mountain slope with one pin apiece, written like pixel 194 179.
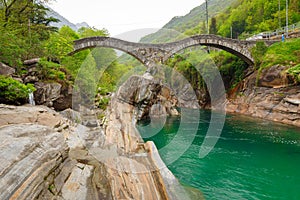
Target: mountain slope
pixel 190 20
pixel 63 21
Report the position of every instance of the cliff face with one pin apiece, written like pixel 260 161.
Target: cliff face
pixel 46 156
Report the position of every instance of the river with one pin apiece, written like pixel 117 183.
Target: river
pixel 253 158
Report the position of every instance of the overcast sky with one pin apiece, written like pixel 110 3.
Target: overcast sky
pixel 119 16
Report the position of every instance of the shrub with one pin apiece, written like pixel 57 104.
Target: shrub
pixel 295 72
pixel 103 103
pixel 51 70
pixel 14 92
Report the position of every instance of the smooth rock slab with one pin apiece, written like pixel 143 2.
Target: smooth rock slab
pixel 28 114
pixel 28 152
pixel 75 186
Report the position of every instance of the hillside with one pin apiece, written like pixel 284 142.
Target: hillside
pixel 194 18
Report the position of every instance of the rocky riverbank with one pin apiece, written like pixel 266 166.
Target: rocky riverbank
pixel 270 97
pixel 44 155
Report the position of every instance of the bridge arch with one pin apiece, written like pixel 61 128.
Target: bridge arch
pixel 241 49
pixel 150 54
pixel 108 42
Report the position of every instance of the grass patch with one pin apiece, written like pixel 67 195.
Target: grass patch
pixel 284 53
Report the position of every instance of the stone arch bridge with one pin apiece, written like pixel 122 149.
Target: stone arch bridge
pixel 151 54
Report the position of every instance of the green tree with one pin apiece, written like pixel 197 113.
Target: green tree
pixel 213 26
pixel 24 26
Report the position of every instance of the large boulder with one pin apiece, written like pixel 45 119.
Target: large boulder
pixel 46 93
pixel 149 96
pixel 65 99
pixel 53 95
pixel 274 77
pixel 6 70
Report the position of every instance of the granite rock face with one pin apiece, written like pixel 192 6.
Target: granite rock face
pixel 148 96
pixel 10 115
pixel 28 155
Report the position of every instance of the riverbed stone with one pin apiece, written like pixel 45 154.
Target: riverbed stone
pixel 30 79
pixel 32 61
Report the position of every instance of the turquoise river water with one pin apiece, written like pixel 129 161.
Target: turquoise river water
pixel 253 158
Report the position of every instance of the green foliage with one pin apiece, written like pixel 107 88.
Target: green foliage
pixel 103 103
pixel 12 47
pixel 60 44
pixel 90 32
pixel 185 65
pixel 295 72
pixel 232 68
pixel 258 52
pixel 285 53
pixel 23 28
pixel 256 16
pixel 14 92
pixel 50 71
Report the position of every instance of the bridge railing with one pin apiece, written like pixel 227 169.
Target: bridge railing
pixel 276 33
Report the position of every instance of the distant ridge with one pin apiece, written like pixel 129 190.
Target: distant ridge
pixel 63 21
